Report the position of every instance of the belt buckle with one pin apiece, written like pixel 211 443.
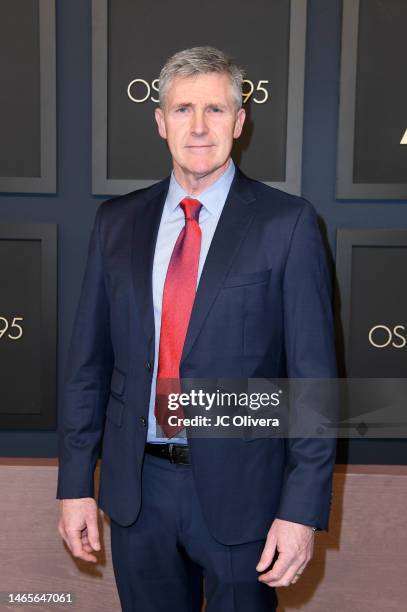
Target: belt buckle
pixel 170 451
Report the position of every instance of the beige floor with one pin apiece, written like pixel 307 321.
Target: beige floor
pixel 359 566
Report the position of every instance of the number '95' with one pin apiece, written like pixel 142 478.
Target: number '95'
pixel 11 328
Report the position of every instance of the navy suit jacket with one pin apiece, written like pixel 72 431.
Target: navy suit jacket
pixel 262 309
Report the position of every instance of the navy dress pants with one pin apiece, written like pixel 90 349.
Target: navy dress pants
pixel 160 560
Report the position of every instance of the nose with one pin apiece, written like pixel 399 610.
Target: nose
pixel 199 126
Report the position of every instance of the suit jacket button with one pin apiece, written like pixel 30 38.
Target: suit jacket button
pixel 148 365
pixel 143 421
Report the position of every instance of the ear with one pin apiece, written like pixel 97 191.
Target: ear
pixel 240 119
pixel 159 117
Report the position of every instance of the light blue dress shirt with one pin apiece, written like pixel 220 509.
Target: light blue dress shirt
pixel 171 224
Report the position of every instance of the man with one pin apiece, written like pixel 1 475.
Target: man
pixel 254 257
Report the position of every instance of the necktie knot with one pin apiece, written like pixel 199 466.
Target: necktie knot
pixel 191 208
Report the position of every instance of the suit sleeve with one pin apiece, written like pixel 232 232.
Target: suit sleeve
pixel 310 354
pixel 87 380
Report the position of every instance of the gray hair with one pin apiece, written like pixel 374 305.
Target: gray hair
pixel 201 60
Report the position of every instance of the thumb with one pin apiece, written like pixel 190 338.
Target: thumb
pixel 267 554
pixel 93 532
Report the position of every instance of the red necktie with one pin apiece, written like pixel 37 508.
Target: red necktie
pixel 178 298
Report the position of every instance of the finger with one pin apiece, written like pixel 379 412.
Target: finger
pixel 306 560
pixel 76 547
pixel 87 548
pixel 302 567
pixel 285 578
pixel 93 532
pixel 291 576
pixel 267 555
pixel 285 563
pixel 293 572
pixel 85 544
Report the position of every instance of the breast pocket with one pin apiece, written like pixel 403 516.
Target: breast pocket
pixel 250 278
pixel 255 294
pixel 225 329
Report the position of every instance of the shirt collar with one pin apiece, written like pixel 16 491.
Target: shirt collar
pixel 213 198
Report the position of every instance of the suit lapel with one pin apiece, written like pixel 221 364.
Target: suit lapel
pixel 232 227
pixel 144 237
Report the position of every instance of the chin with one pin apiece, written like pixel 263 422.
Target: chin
pixel 201 169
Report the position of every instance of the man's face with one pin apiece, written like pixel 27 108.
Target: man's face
pixel 199 121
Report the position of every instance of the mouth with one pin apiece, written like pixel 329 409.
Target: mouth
pixel 199 147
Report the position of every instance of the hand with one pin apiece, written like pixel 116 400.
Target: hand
pixel 295 545
pixel 78 526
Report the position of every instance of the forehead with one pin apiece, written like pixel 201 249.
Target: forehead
pixel 213 86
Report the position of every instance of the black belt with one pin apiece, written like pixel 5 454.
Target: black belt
pixel 175 453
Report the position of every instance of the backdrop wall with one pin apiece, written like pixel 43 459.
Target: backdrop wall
pixel 73 207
